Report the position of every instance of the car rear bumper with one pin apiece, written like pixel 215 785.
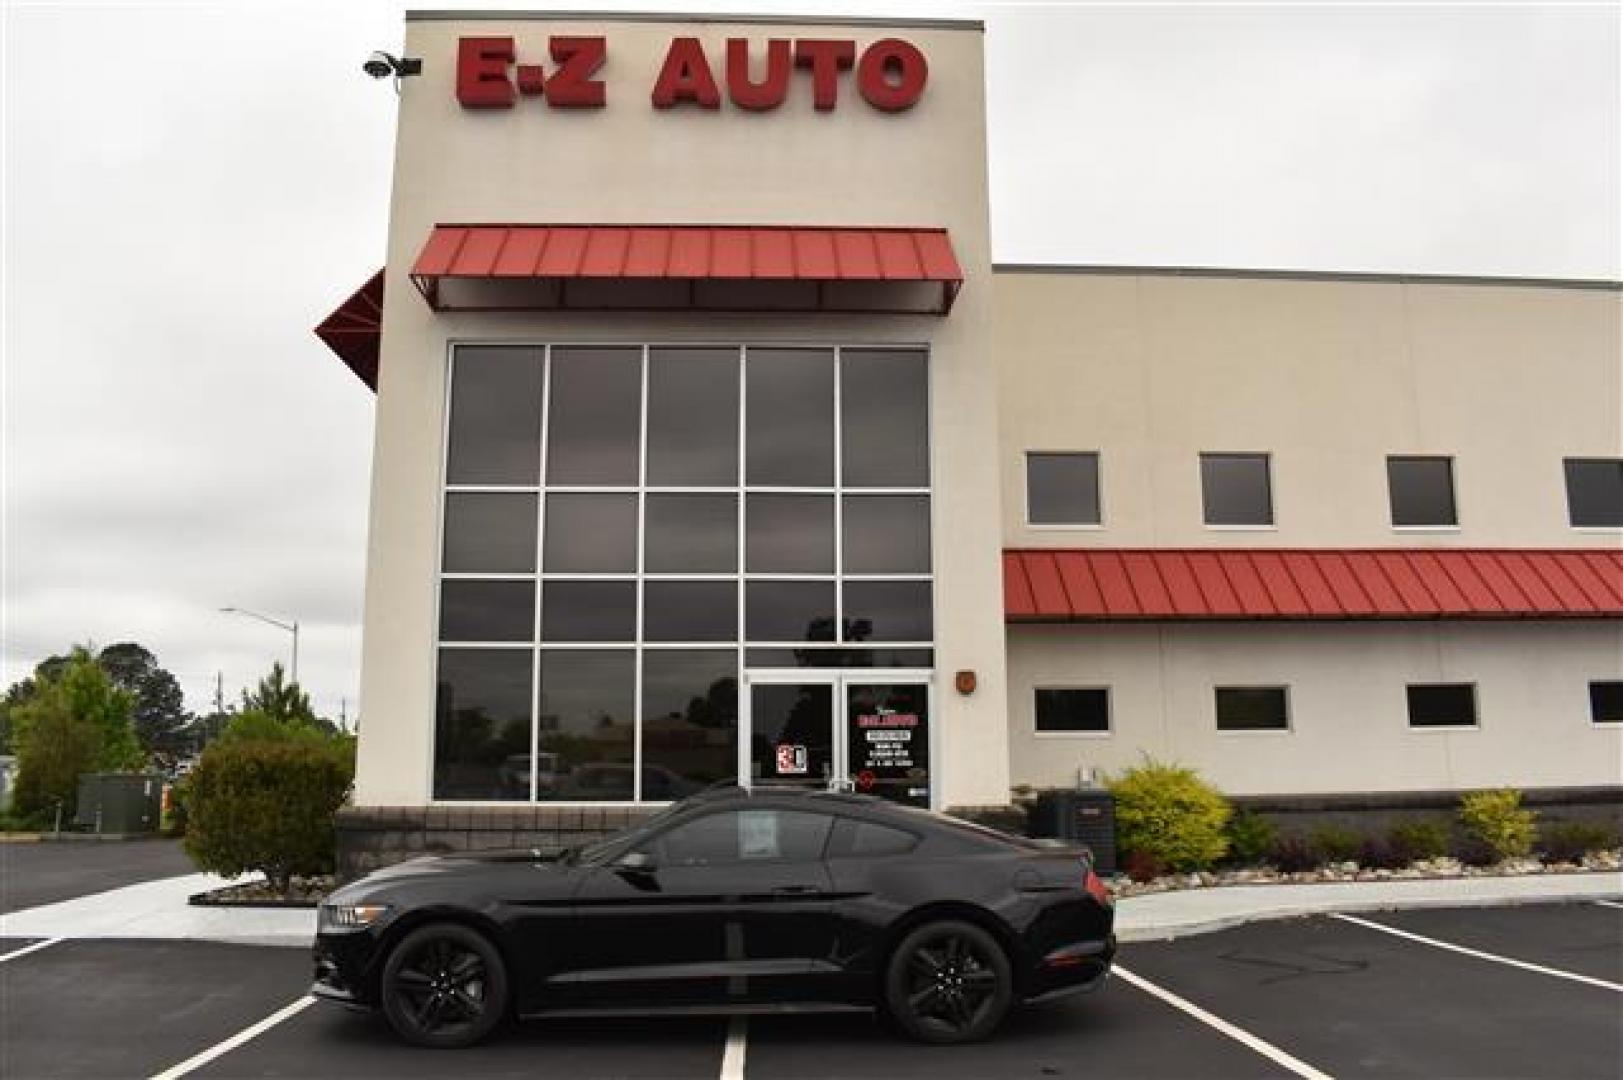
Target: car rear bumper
pixel 1073 969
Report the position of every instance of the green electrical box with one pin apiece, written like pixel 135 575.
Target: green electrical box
pixel 119 802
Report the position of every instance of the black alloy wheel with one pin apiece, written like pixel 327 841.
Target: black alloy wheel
pixel 444 986
pixel 949 982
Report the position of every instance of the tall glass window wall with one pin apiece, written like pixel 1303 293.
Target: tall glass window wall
pixel 625 528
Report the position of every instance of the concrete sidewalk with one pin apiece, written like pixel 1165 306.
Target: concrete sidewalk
pixel 158 909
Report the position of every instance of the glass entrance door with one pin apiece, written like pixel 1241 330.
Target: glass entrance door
pixel 865 731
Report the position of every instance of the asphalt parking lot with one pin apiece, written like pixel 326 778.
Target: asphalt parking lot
pixel 32 874
pixel 1541 995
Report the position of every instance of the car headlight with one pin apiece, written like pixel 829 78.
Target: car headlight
pixel 351 916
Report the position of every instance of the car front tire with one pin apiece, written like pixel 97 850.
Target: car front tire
pixel 948 982
pixel 444 986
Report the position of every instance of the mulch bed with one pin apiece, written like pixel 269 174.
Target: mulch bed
pixel 306 893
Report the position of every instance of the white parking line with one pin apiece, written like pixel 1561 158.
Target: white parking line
pixel 197 1061
pixel 1239 1035
pixel 1480 955
pixel 26 949
pixel 1609 903
pixel 732 1056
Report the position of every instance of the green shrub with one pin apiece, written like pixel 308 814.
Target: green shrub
pixel 267 805
pixel 1377 853
pixel 1251 837
pixel 76 722
pixel 1417 841
pixel 1336 844
pixel 1294 854
pixel 1498 821
pixel 1170 814
pixel 1570 841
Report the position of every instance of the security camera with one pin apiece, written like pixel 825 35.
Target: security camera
pixel 381 65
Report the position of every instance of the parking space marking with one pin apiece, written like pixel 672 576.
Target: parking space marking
pixel 219 1049
pixel 1587 980
pixel 1239 1035
pixel 1609 903
pixel 26 949
pixel 732 1056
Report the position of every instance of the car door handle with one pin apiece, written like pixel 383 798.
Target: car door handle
pixel 797 890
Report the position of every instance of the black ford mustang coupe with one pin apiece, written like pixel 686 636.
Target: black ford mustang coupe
pixel 731 901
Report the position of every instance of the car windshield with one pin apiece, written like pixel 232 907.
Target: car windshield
pixel 599 851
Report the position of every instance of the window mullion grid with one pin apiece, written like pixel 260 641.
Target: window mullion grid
pixel 839 505
pixel 540 549
pixel 637 629
pixel 741 706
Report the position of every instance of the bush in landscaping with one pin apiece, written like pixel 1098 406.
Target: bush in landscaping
pixel 1570 841
pixel 1499 822
pixel 1335 844
pixel 1294 854
pixel 1141 866
pixel 1251 837
pixel 1417 841
pixel 76 722
pixel 267 805
pixel 1170 813
pixel 1377 853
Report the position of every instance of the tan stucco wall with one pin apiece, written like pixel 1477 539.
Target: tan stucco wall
pixel 1330 377
pixel 631 163
pixel 1349 720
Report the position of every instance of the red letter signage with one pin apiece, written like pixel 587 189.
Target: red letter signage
pixel 770 91
pixel 880 62
pixel 686 78
pixel 826 60
pixel 481 73
pixel 572 85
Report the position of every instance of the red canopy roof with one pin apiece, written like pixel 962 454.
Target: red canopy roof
pixel 354 330
pixel 1102 584
pixel 812 256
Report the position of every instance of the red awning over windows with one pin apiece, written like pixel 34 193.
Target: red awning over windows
pixel 688 267
pixel 1108 585
pixel 355 330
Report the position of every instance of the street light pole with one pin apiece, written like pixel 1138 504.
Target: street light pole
pixel 290 627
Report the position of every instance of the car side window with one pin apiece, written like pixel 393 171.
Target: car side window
pixel 745 836
pixel 864 839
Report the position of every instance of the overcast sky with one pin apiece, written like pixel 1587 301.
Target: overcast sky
pixel 191 187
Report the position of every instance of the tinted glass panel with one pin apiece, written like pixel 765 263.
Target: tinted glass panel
pixel 1442 705
pixel 789 610
pixel 487 611
pixel 1062 489
pixel 495 435
pixel 888 611
pixel 1422 490
pixel 888 733
pixel 746 835
pixel 584 717
pixel 1252 708
pixel 863 839
pixel 1235 489
pixel 690 720
pixel 692 417
pixel 489 532
pixel 791 417
pixel 826 657
pixel 884 418
pixel 789 534
pixel 1073 709
pixel 482 724
pixel 588 610
pixel 690 611
pixel 792 733
pixel 590 534
pixel 1606 702
pixel 594 416
pixel 886 534
pixel 690 534
pixel 1595 492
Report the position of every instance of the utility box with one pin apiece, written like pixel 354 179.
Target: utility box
pixel 1085 815
pixel 119 802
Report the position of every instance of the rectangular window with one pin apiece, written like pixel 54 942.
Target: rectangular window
pixel 1253 708
pixel 585 733
pixel 1236 489
pixel 495 431
pixel 884 418
pixel 1073 710
pixel 1422 492
pixel 692 417
pixel 594 406
pixel 1442 705
pixel 1595 492
pixel 1606 701
pixel 791 417
pixel 1062 489
pixel 489 532
pixel 482 724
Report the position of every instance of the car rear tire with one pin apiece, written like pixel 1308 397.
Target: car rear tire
pixel 444 986
pixel 948 982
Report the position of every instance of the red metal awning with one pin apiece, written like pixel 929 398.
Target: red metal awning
pixel 685 267
pixel 355 329
pixel 1107 585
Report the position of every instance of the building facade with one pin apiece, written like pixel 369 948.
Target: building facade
pixel 713 447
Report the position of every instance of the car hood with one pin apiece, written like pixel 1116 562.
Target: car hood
pixel 486 874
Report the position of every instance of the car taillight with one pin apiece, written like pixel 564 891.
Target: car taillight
pixel 1096 888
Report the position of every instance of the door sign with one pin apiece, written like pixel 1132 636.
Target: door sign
pixel 792 759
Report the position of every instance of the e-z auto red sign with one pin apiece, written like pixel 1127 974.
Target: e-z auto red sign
pixel 890 73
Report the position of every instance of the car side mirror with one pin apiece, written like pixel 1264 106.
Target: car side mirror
pixel 637 862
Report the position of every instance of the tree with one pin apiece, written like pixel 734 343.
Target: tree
pixel 160 708
pixel 283 701
pixel 76 721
